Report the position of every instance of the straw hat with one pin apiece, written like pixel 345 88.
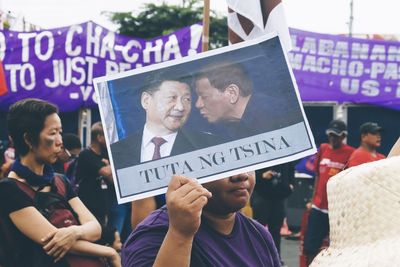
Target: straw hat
pixel 364 216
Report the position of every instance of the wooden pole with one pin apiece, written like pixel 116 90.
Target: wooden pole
pixel 206 25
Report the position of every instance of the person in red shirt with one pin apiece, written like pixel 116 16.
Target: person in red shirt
pixel 331 159
pixel 370 141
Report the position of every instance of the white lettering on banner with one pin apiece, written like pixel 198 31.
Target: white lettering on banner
pixel 367 69
pixel 341 50
pixel 391 72
pixel 13 68
pixel 90 61
pixel 352 86
pixel 376 69
pixel 38 45
pixel 356 68
pixel 86 91
pixel 172 48
pixel 113 67
pixel 359 51
pixel 25 73
pixel 75 62
pixel 125 51
pixel 3 46
pixel 56 76
pixel 107 45
pixel 25 36
pixel 394 53
pixel 64 70
pixel 93 39
pixel 326 47
pixel 69 50
pixel 309 46
pixel 195 37
pixel 156 49
pixel 378 53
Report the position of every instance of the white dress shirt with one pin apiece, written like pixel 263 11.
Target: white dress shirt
pixel 147 149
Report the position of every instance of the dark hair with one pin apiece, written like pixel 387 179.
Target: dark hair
pixel 153 82
pixel 71 141
pixel 97 129
pixel 226 73
pixel 27 117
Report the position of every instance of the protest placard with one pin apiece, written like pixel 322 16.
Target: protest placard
pixel 219 113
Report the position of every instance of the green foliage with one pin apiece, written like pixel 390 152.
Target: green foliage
pixel 155 20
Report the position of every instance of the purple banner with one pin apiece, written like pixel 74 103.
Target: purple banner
pixel 59 65
pixel 343 69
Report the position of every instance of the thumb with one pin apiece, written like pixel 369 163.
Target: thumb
pixel 176 182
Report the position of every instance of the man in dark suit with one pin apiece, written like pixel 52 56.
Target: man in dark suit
pixel 226 99
pixel 166 99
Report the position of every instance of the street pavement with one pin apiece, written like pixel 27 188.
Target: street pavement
pixel 290 252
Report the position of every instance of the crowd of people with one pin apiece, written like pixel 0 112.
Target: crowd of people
pixel 200 224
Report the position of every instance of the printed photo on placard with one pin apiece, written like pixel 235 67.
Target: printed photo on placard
pixel 207 116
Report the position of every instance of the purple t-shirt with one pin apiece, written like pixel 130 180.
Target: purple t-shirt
pixel 249 244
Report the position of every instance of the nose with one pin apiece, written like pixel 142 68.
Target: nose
pixel 199 103
pixel 179 105
pixel 59 140
pixel 239 177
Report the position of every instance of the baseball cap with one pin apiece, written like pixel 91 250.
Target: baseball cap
pixel 370 127
pixel 337 127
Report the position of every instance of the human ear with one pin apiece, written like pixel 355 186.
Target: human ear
pixel 28 141
pixel 233 92
pixel 144 100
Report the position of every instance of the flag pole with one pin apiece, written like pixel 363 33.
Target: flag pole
pixel 206 25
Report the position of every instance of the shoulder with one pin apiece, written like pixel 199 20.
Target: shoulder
pixel 85 153
pixel 142 246
pixel 324 146
pixel 12 198
pixel 127 141
pixel 156 221
pixel 197 139
pixel 253 226
pixel 256 231
pixel 348 150
pixel 358 152
pixel 381 156
pixel 63 186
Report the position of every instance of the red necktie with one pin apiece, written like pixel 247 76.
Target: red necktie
pixel 158 142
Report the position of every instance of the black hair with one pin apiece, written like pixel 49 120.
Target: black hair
pixel 153 81
pixel 27 117
pixel 71 141
pixel 223 74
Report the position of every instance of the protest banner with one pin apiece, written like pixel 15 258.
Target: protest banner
pixel 342 69
pixel 58 65
pixel 254 120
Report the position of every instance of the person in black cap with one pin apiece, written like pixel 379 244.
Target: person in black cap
pixel 331 159
pixel 370 140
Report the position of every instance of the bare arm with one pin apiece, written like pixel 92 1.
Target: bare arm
pixel 185 201
pixel 37 228
pixel 141 209
pixel 106 172
pixel 89 229
pixel 82 247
